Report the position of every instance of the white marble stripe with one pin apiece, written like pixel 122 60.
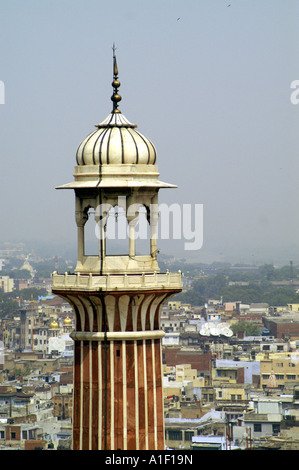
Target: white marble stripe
pixel 73 300
pixel 116 335
pixel 153 309
pixel 145 304
pixel 124 366
pixel 87 306
pixel 112 393
pixel 136 396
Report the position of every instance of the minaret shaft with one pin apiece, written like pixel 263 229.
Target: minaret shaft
pixel 118 398
pixel 118 395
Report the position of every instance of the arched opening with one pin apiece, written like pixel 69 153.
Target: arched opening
pixel 116 235
pixel 91 241
pixel 142 232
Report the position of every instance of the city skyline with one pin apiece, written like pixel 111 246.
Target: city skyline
pixel 208 83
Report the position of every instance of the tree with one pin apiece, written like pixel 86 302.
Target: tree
pixel 268 272
pixel 7 305
pixel 251 293
pixel 26 293
pixel 249 328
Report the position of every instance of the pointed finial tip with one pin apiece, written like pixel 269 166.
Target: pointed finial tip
pixel 116 98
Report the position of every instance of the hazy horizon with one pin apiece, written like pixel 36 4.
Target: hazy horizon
pixel 207 81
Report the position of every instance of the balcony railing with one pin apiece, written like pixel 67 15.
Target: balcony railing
pixel 116 281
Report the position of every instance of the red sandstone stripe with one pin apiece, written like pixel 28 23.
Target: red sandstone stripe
pixel 106 400
pixel 116 316
pixel 86 316
pixel 95 316
pixel 131 417
pixel 141 398
pixel 150 396
pixel 118 396
pixel 129 325
pixel 76 404
pixel 86 400
pixel 139 325
pixel 159 395
pixel 95 396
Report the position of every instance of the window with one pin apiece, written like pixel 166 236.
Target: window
pixel 275 428
pixel 188 435
pixel 175 435
pixel 142 233
pixel 90 237
pixel 257 427
pixel 12 435
pixel 117 232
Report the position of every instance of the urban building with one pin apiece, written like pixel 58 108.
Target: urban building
pixel 279 372
pixel 6 284
pixel 34 330
pixel 285 326
pixel 63 405
pixel 264 419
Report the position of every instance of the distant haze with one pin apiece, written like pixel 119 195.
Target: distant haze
pixel 208 83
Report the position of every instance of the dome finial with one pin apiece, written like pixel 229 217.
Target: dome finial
pixel 116 84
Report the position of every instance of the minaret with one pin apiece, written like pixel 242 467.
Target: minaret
pixel 118 398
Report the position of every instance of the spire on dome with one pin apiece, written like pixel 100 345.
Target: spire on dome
pixel 115 98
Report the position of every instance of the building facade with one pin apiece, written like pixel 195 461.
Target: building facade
pixel 282 370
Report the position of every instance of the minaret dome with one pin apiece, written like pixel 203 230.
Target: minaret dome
pixel 116 140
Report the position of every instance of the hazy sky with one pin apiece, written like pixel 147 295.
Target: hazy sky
pixel 208 83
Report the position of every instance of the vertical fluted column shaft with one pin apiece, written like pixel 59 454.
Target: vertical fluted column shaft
pixel 118 397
